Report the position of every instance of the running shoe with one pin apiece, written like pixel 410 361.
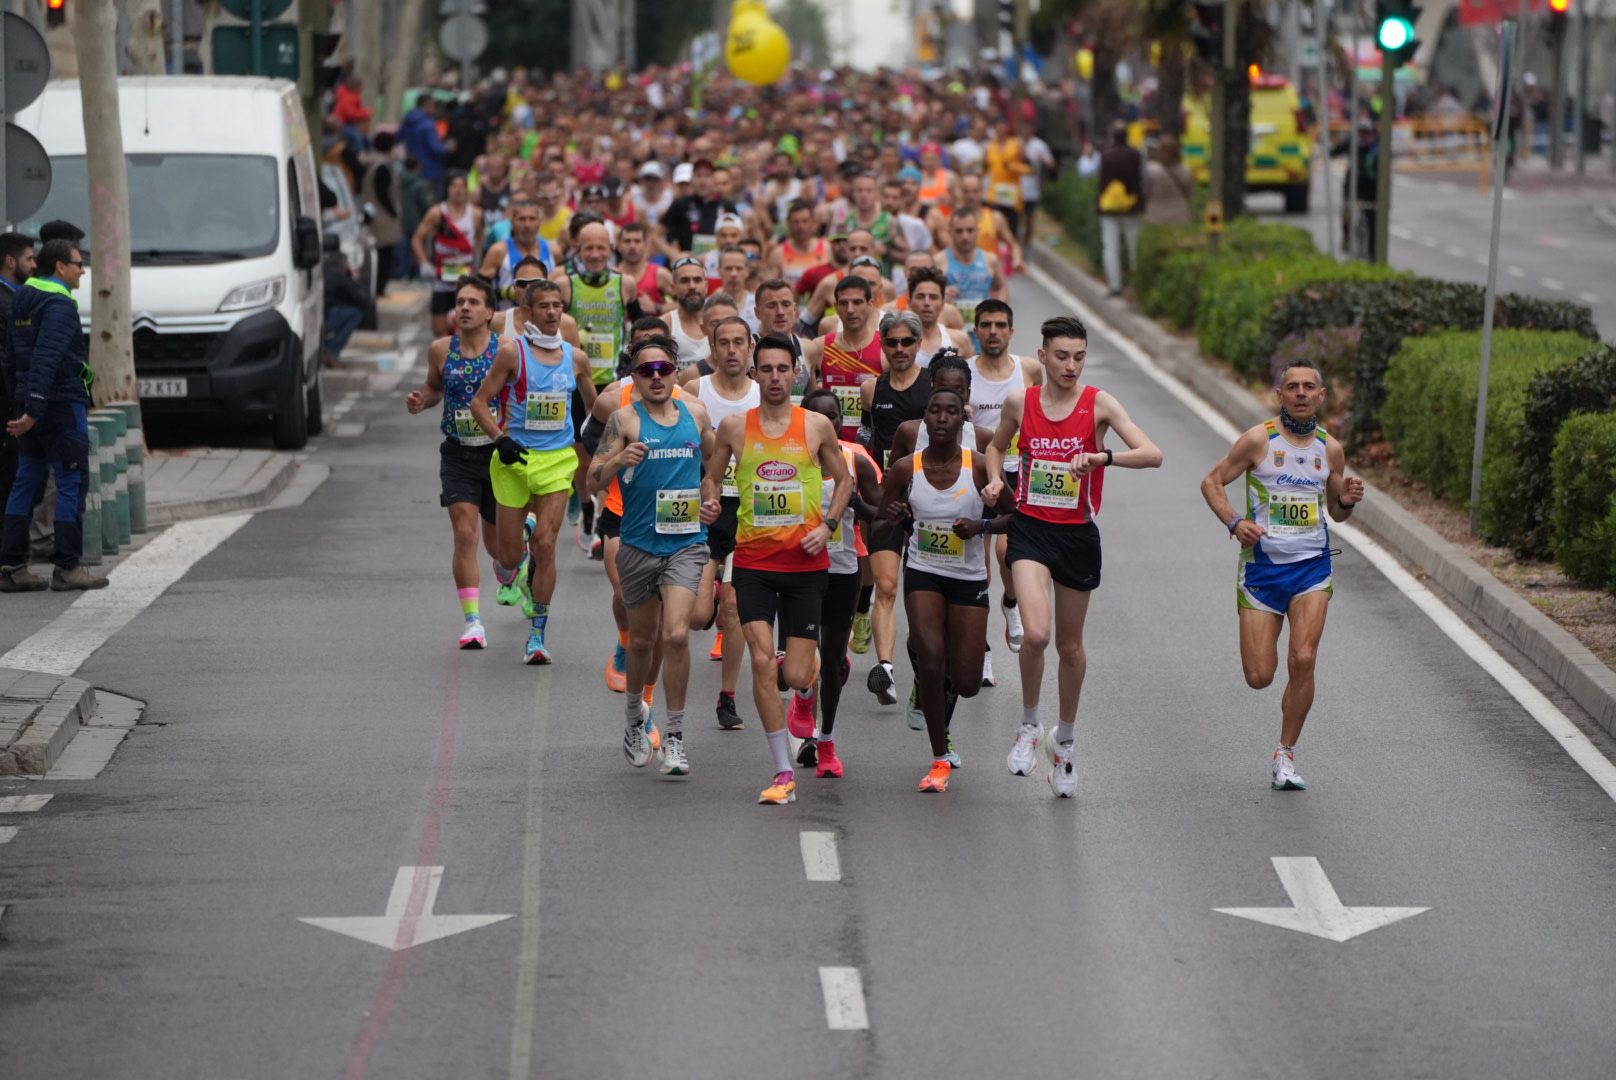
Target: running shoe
pixel 617 670
pixel 1025 750
pixel 652 735
pixel 1284 772
pixel 951 755
pixel 936 781
pixel 536 652
pixel 510 595
pixel 581 537
pixel 800 714
pixel 728 718
pixel 780 671
pixel 473 637
pixel 530 525
pixel 674 761
pixel 1062 773
pixel 597 549
pixel 782 791
pixel 1012 626
pixel 718 647
pixel 830 765
pixel 575 508
pixel 915 718
pixel 862 632
pixel 987 670
pixel 808 755
pixel 880 684
pixel 636 747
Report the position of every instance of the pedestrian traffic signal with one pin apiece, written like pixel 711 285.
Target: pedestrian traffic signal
pixel 1394 30
pixel 1206 31
pixel 1559 18
pixel 55 12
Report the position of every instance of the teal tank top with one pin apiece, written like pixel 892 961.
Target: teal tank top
pixel 662 494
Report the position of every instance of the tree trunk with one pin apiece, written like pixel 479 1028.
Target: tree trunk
pixel 1105 102
pixel 112 352
pixel 1237 139
pixel 1171 75
pixel 366 16
pixel 147 29
pixel 403 61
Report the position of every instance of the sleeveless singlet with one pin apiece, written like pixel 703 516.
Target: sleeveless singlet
pixel 1285 494
pixel 935 190
pixel 778 481
pixel 891 407
pixel 662 494
pixel 649 285
pixel 1047 489
pixel 794 263
pixel 600 314
pixel 974 280
pixel 720 408
pixel 614 491
pixel 933 545
pixel 843 545
pixel 691 349
pixel 461 378
pixel 537 406
pixel 507 269
pixel 843 372
pixel 454 252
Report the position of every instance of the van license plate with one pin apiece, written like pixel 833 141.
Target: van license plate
pixel 163 388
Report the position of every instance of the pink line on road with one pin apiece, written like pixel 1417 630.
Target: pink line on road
pixel 392 982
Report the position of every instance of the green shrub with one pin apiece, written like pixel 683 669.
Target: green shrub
pixel 1176 288
pixel 1430 413
pixel 1173 293
pixel 1334 350
pixel 1238 295
pixel 1392 311
pixel 1588 386
pixel 1251 236
pixel 1157 244
pixel 1583 518
pixel 1071 200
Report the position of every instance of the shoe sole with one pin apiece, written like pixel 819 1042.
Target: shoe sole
pixel 685 771
pixel 791 798
pixel 74 588
pixel 473 645
pixel 722 726
pixel 827 775
pixel 1287 786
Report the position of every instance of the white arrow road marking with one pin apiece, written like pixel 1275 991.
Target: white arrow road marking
pixel 22 804
pixel 844 999
pixel 406 924
pixel 819 859
pixel 1315 908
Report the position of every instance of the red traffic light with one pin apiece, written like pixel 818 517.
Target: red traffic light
pixel 1559 7
pixel 56 5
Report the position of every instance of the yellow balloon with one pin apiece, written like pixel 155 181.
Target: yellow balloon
pixel 1085 64
pixel 748 7
pixel 757 49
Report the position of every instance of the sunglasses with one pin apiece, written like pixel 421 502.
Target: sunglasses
pixel 75 262
pixel 901 342
pixel 865 260
pixel 654 369
pixel 522 283
pixel 688 260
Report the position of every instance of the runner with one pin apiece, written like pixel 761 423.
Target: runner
pixel 866 212
pixel 846 549
pixel 602 300
pixel 503 258
pixel 925 291
pixel 445 248
pixel 554 214
pixel 945 581
pixel 776 305
pixel 1053 540
pixel 849 359
pixel 995 373
pixel 781 562
pixel 1293 472
pixel 533 378
pixel 655 449
pixel 802 249
pixel 652 281
pixel 466 489
pixel 684 318
pixel 973 274
pixel 734 268
pixel 728 391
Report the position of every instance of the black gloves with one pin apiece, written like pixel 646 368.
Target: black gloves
pixel 509 450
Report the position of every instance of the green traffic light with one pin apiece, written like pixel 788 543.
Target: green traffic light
pixel 1395 32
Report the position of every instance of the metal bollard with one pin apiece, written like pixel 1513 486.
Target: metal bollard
pixel 134 445
pixel 120 464
pixel 106 435
pixel 91 555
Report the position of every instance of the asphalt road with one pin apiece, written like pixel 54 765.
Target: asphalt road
pixel 311 731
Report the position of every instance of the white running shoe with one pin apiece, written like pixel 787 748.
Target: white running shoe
pixel 636 747
pixel 1012 626
pixel 473 636
pixel 1284 772
pixel 1025 750
pixel 1062 773
pixel 674 761
pixel 912 715
pixel 987 670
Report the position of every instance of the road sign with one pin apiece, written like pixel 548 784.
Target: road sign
pixel 233 51
pixel 463 37
pixel 1310 55
pixel 267 9
pixel 405 924
pixel 28 174
pixel 1316 909
pixel 27 63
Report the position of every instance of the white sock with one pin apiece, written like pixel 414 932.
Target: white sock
pixel 1029 716
pixel 780 746
pixel 633 714
pixel 1063 732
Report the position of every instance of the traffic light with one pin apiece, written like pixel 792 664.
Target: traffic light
pixel 1559 16
pixel 1206 31
pixel 55 12
pixel 327 73
pixel 1394 30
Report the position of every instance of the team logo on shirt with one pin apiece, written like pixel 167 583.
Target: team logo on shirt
pixel 777 470
pixel 1279 459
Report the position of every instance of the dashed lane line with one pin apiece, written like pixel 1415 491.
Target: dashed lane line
pixel 22 804
pixel 820 861
pixel 844 999
pixel 1554 284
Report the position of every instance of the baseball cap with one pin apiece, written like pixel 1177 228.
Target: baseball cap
pixel 683 173
pixel 729 221
pixel 651 169
pixel 612 186
pixel 909 172
pixel 593 191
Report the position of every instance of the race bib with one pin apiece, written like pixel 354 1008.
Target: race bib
pixel 601 350
pixel 1005 194
pixel 852 403
pixel 467 431
pixel 776 505
pixel 835 544
pixel 546 412
pixel 452 272
pixel 677 510
pixel 967 310
pixel 1293 513
pixel 1051 483
pixel 702 243
pixel 730 490
pixel 938 542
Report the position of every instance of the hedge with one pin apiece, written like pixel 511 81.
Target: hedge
pixel 1334 350
pixel 1172 258
pixel 1584 510
pixel 1430 414
pixel 1392 311
pixel 1238 295
pixel 1176 289
pixel 1072 199
pixel 1588 386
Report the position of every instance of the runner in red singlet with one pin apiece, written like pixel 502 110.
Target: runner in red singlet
pixel 853 357
pixel 653 281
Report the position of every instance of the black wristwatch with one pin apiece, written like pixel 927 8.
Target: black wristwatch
pixel 1109 456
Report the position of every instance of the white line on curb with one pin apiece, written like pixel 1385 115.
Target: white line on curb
pixel 844 999
pixel 1541 709
pixel 819 858
pixel 22 804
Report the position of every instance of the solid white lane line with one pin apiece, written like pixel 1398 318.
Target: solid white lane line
pixel 1401 232
pixel 22 804
pixel 1428 241
pixel 819 858
pixel 1554 283
pixel 1541 709
pixel 1514 271
pixel 844 999
pixel 6 833
pixel 69 640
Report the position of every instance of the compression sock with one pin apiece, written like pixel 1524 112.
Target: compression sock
pixel 633 712
pixel 780 747
pixel 650 694
pixel 589 516
pixel 622 638
pixel 541 617
pixel 864 599
pixel 468 603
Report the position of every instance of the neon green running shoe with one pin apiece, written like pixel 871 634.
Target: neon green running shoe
pixel 862 632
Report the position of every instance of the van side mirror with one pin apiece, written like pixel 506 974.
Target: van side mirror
pixel 306 243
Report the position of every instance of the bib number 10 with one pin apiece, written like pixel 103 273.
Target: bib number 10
pixel 776 505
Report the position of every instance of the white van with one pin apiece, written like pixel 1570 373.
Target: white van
pixel 224 212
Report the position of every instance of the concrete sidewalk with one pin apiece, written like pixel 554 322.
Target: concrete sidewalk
pixel 39 715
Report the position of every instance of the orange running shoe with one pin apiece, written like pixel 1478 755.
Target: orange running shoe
pixel 718 647
pixel 937 780
pixel 782 791
pixel 617 671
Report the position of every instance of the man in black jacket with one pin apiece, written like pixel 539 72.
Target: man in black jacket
pixel 16 267
pixel 1122 203
pixel 53 378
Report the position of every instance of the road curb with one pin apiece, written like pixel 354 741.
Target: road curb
pixel 51 709
pixel 260 490
pixel 1564 659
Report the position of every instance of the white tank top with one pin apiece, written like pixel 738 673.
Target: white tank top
pixel 842 546
pixel 690 349
pixel 1285 494
pixel 987 396
pixel 718 408
pixel 933 545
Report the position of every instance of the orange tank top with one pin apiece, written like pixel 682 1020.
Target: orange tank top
pixel 780 484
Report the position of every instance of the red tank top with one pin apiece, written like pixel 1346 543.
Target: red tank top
pixel 1046 488
pixel 649 286
pixel 844 372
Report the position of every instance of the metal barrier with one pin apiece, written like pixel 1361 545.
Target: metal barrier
pixel 1443 144
pixel 91 519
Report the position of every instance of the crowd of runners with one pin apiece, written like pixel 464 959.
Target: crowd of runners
pixel 756 355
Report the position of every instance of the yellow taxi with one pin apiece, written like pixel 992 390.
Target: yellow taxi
pixel 1281 151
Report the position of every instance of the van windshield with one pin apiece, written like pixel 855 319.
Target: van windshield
pixel 183 208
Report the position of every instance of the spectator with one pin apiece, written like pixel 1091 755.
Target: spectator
pixel 345 303
pixel 16 267
pixel 419 198
pixel 1121 202
pixel 381 187
pixel 44 528
pixel 349 111
pixel 53 382
pixel 1169 187
pixel 419 133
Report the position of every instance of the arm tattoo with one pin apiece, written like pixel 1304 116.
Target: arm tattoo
pixel 597 473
